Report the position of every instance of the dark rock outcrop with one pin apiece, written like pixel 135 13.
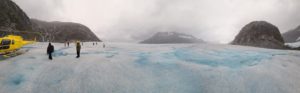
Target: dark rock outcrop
pixel 13 18
pixel 171 38
pixel 14 21
pixel 62 31
pixel 260 34
pixel 292 35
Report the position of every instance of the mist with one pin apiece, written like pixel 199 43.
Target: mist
pixel 135 20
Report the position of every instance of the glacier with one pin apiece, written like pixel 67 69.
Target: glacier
pixel 143 68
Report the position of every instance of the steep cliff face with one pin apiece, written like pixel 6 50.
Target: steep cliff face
pixel 292 35
pixel 62 31
pixel 171 38
pixel 13 18
pixel 260 34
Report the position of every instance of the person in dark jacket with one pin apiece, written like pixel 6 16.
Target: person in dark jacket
pixel 50 50
pixel 78 47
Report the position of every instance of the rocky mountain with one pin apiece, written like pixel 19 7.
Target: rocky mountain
pixel 260 34
pixel 62 31
pixel 292 35
pixel 13 18
pixel 171 38
pixel 14 21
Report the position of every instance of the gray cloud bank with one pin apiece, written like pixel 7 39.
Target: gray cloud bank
pixel 135 20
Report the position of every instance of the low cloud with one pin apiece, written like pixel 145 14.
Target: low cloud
pixel 135 20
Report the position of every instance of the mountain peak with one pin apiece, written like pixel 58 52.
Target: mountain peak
pixel 171 37
pixel 260 34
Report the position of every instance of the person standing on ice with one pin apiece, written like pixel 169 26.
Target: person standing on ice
pixel 78 47
pixel 50 50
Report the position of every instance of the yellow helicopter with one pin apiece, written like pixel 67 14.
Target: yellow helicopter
pixel 12 43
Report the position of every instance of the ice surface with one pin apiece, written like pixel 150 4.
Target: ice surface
pixel 139 68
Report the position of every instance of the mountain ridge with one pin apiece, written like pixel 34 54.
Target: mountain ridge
pixel 292 35
pixel 66 31
pixel 171 38
pixel 13 20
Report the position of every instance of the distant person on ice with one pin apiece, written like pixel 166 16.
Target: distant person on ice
pixel 50 50
pixel 66 43
pixel 78 47
pixel 103 45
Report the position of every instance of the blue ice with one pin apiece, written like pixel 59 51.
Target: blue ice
pixel 213 58
pixel 151 72
pixel 16 79
pixel 227 58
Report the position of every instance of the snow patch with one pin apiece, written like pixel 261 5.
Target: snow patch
pixel 293 45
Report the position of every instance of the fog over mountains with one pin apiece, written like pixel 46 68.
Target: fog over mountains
pixel 134 20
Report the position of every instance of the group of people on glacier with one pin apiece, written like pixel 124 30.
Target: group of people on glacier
pixel 50 49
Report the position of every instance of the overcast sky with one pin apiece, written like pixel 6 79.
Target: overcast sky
pixel 135 20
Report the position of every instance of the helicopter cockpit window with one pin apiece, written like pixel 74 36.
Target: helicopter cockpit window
pixel 5 44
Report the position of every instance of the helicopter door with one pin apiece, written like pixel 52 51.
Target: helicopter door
pixel 5 44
